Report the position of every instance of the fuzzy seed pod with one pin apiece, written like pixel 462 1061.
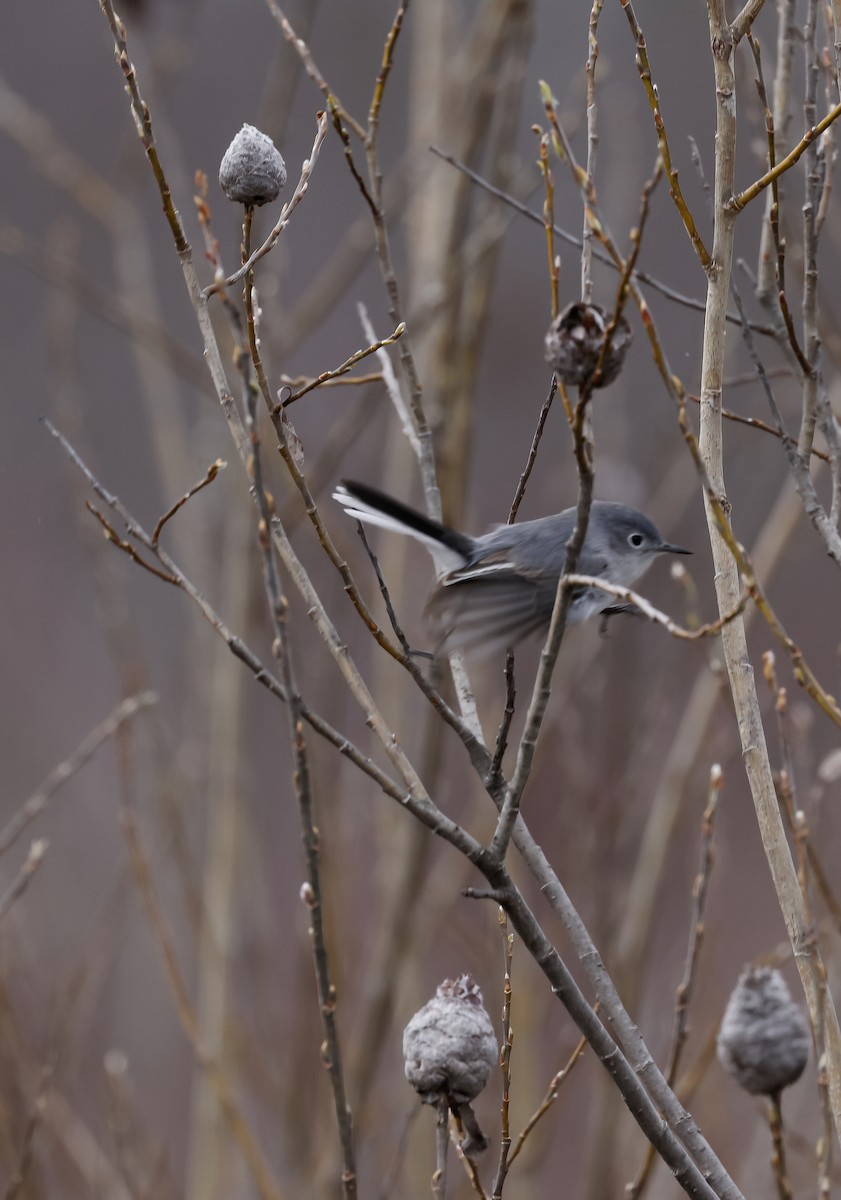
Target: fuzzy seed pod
pixel 574 342
pixel 252 170
pixel 450 1049
pixel 764 1038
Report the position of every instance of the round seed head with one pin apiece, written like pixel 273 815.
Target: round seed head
pixel 449 1045
pixel 764 1039
pixel 574 342
pixel 252 170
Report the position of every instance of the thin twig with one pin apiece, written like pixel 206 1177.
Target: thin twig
pixel 570 238
pixel 774 217
pixel 583 451
pixel 303 52
pixel 729 557
pixel 644 68
pixel 683 994
pixel 501 743
pixel 235 644
pixel 212 471
pixel 389 607
pixel 549 1099
pixel 778 1155
pixel 738 202
pixel 347 365
pixel 267 1187
pixel 554 264
pixel 442 1145
pixel 535 444
pixel 307 167
pixel 592 146
pixel 653 614
pixel 38 801
pixel 755 422
pixel 21 881
pixel 505 1055
pixel 312 892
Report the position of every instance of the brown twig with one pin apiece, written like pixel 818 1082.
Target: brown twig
pixel 505 1056
pixel 347 365
pixel 286 211
pixel 730 559
pixel 303 52
pixel 755 422
pixel 548 222
pixel 501 743
pixel 532 456
pixel 683 995
pixel 264 1181
pixel 312 892
pixel 774 218
pixel 655 284
pixel 38 801
pixel 21 881
pixel 737 202
pixel 778 1157
pixel 212 471
pixel 644 68
pixel 549 1099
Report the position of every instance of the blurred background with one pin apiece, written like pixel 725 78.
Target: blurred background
pixel 99 1089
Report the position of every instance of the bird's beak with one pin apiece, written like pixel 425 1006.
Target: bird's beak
pixel 668 548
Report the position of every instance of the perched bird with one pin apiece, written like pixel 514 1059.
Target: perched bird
pixel 496 589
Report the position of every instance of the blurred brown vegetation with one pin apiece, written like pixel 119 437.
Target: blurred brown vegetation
pixel 96 1076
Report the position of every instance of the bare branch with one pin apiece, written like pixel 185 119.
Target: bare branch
pixel 21 881
pixel 38 801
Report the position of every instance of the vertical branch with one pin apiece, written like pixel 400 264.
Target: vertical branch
pixel 592 146
pixel 778 1154
pixel 442 1145
pixel 765 275
pixel 505 1056
pixel 811 201
pixel 548 219
pixel 311 893
pixel 734 644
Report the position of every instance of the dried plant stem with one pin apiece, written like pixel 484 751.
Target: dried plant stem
pixel 727 582
pixel 442 1145
pixel 549 1099
pixel 38 801
pixel 592 147
pixel 343 368
pixel 285 213
pixel 599 254
pixel 737 202
pixel 653 614
pixel 312 892
pixel 644 69
pixel 505 1056
pixel 264 1181
pixel 683 995
pixel 778 1156
pixel 535 445
pixel 21 881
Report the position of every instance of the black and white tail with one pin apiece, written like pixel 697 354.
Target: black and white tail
pixel 450 549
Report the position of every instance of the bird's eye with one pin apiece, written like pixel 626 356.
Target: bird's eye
pixel 635 539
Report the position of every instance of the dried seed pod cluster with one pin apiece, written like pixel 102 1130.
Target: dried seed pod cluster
pixel 764 1038
pixel 450 1049
pixel 252 170
pixel 574 343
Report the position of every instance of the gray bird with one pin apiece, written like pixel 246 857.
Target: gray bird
pixel 496 589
